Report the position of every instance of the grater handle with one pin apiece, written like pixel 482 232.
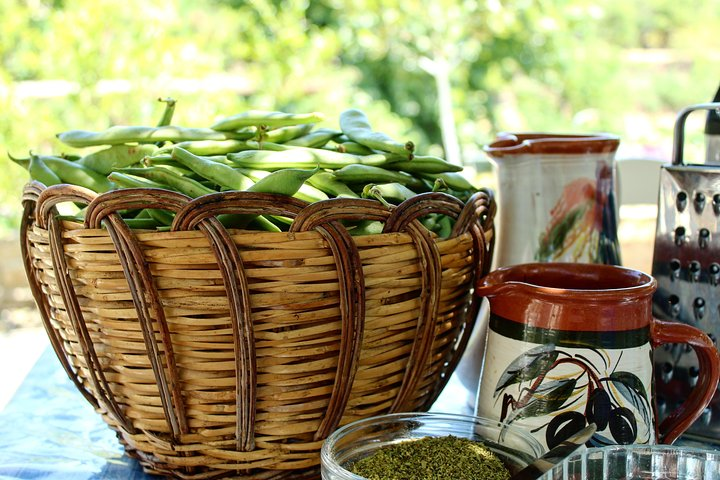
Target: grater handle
pixel 679 133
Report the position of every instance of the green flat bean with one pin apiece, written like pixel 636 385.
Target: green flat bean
pixel 41 172
pixel 355 124
pixel 355 148
pixel 315 139
pixel 454 180
pixel 216 172
pixel 117 156
pixel 142 223
pixel 208 147
pixel 266 118
pixel 394 193
pixel 260 222
pixel 270 146
pixel 76 174
pixel 366 227
pixel 134 134
pixel 162 217
pixel 187 186
pixel 286 181
pixel 177 168
pixel 284 134
pixel 146 223
pixel 370 174
pixel 306 192
pixel 300 157
pixel 445 225
pixel 425 164
pixel 328 183
pixel 132 181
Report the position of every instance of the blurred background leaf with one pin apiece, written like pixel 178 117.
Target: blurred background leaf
pixel 448 74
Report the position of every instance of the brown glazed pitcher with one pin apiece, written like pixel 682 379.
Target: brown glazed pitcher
pixel 569 344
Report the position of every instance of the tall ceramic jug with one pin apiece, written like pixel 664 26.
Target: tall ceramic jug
pixel 556 198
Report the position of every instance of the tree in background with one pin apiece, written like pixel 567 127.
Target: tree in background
pixel 472 68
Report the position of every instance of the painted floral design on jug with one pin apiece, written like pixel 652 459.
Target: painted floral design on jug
pixel 557 198
pixel 583 394
pixel 571 343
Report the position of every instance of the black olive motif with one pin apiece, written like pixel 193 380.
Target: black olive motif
pixel 563 426
pixel 597 409
pixel 623 426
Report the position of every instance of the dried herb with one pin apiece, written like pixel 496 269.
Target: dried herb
pixel 432 458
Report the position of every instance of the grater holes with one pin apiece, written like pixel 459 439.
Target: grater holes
pixel 714 270
pixel 699 308
pixel 679 236
pixel 703 237
pixel 675 268
pixel 699 202
pixel 681 200
pixel 674 304
pixel 694 269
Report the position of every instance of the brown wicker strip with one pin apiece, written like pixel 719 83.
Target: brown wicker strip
pixel 405 218
pixel 31 193
pixel 218 352
pixel 325 217
pixel 97 377
pixel 144 293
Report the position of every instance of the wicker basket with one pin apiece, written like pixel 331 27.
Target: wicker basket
pixel 215 352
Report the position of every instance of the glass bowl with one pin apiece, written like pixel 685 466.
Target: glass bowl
pixel 356 440
pixel 639 462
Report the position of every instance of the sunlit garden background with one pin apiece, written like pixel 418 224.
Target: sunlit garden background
pixel 447 74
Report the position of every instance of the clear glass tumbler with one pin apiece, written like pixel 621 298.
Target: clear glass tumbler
pixel 639 462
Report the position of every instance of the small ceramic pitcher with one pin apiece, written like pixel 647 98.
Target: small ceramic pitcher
pixel 569 344
pixel 556 198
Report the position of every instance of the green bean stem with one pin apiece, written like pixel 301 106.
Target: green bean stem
pixel 167 116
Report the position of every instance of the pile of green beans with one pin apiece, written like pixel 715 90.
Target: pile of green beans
pixel 259 151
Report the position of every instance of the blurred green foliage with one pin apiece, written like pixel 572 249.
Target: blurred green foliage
pixel 624 66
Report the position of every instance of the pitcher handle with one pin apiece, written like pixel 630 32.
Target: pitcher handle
pixel 709 373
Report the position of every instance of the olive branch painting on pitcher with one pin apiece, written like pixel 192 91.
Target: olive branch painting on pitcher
pixel 613 399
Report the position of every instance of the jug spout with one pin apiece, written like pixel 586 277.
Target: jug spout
pixel 498 282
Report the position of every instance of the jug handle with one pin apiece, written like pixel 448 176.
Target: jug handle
pixel 678 421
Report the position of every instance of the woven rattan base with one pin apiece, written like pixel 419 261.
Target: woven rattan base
pixel 215 352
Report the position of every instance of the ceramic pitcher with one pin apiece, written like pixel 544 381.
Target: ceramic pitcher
pixel 556 198
pixel 570 344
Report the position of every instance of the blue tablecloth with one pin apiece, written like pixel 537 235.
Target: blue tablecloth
pixel 49 431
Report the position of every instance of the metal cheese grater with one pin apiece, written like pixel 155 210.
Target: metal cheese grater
pixel 686 264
